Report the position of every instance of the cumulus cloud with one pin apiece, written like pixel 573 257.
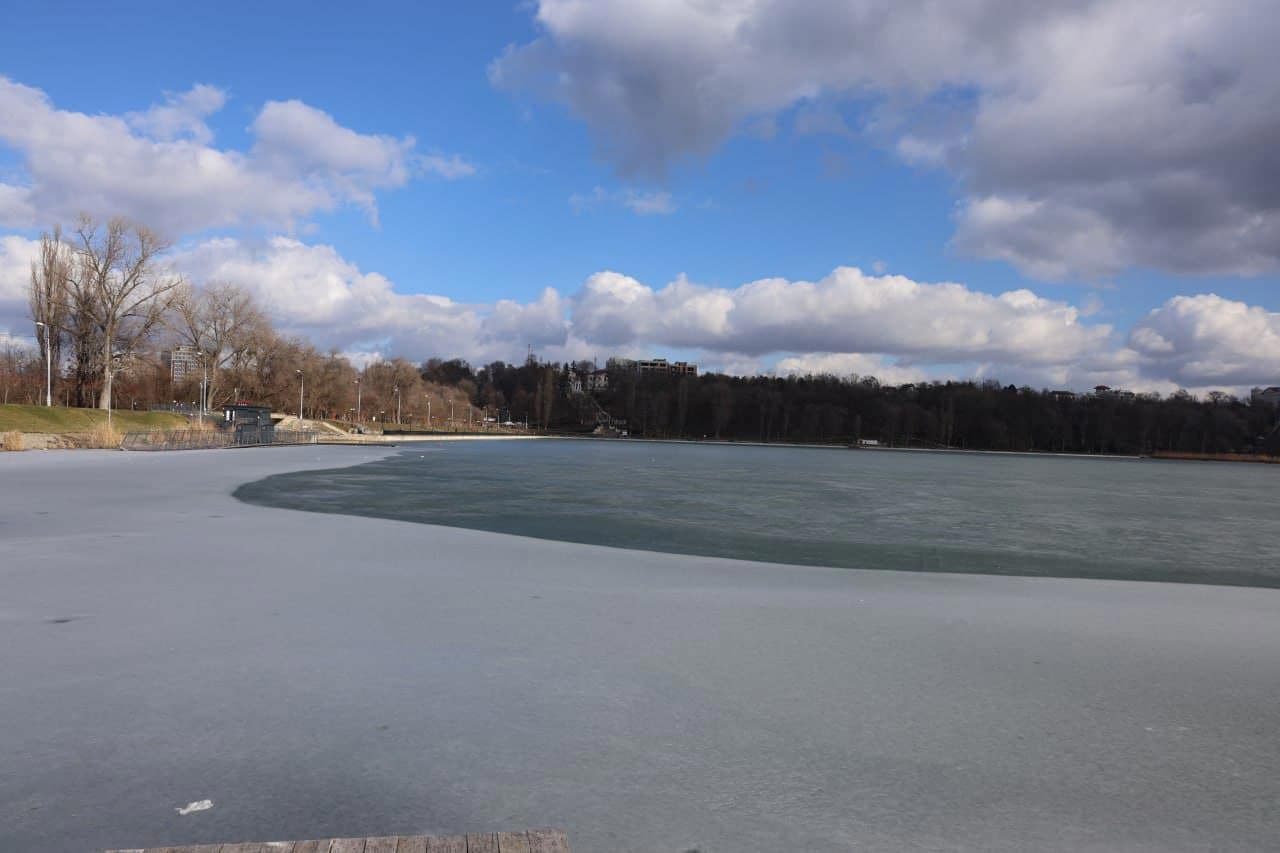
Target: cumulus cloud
pixel 159 166
pixel 16 256
pixel 848 322
pixel 847 311
pixel 312 290
pixel 1208 340
pixel 1088 135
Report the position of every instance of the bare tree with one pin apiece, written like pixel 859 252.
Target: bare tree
pixel 47 297
pixel 127 293
pixel 222 322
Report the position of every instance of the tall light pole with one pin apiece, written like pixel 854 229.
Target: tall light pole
pixel 450 413
pixel 358 389
pixel 48 366
pixel 396 388
pixel 302 387
pixel 204 385
pixel 428 412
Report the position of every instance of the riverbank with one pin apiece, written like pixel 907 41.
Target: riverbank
pixel 56 420
pixel 323 675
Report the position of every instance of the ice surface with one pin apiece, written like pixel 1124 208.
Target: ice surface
pixel 320 675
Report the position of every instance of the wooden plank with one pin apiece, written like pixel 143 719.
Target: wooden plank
pixel 412 844
pixel 447 844
pixel 381 844
pixel 547 841
pixel 311 846
pixel 346 845
pixel 483 842
pixel 513 842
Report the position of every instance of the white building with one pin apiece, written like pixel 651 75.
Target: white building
pixel 184 363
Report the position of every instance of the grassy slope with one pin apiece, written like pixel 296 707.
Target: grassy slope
pixel 58 419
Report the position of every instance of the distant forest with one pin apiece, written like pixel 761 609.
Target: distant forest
pixel 827 409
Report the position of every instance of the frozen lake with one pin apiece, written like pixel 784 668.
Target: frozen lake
pixel 950 512
pixel 325 675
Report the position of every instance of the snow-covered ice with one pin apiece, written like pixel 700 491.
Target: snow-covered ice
pixel 319 675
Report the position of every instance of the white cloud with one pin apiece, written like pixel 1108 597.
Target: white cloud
pixel 1207 340
pixel 181 115
pixel 16 256
pixel 846 312
pixel 642 202
pixel 313 291
pixel 1088 135
pixel 891 327
pixel 849 364
pixel 158 167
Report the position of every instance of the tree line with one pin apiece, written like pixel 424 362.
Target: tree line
pixel 977 415
pixel 108 310
pixel 108 315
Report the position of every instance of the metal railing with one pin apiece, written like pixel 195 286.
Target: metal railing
pixel 205 439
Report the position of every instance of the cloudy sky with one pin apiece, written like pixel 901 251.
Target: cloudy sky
pixel 1058 193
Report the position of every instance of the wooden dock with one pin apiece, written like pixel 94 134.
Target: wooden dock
pixel 532 841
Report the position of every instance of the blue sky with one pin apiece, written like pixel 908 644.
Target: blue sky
pixel 786 171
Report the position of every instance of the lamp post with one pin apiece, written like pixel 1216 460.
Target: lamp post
pixel 302 387
pixel 396 388
pixel 428 411
pixel 48 366
pixel 204 385
pixel 358 389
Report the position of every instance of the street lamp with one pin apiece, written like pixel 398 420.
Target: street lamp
pixel 428 412
pixel 302 386
pixel 204 384
pixel 48 366
pixel 396 388
pixel 358 389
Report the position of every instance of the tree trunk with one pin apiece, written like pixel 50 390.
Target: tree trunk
pixel 108 373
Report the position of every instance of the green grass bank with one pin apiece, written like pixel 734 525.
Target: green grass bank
pixel 58 419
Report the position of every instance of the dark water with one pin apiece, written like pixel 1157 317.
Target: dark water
pixel 937 512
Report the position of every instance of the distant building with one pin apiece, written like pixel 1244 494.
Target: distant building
pixel 597 380
pixel 184 363
pixel 574 383
pixel 1115 393
pixel 653 365
pixel 1062 395
pixel 666 368
pixel 1265 396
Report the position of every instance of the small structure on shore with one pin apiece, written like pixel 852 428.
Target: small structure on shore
pixel 251 424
